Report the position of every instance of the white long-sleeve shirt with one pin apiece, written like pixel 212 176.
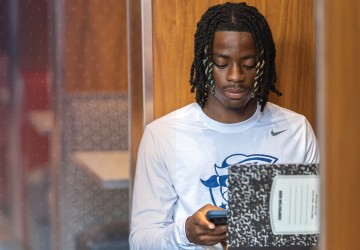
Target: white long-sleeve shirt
pixel 184 156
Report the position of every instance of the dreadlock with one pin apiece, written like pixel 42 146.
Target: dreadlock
pixel 234 17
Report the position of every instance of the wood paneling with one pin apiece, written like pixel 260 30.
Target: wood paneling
pixel 292 23
pixel 95 45
pixel 135 87
pixel 341 145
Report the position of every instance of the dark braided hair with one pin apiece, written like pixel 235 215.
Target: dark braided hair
pixel 234 17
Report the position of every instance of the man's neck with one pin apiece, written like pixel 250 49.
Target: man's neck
pixel 227 115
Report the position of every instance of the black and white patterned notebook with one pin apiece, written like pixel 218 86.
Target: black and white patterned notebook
pixel 274 206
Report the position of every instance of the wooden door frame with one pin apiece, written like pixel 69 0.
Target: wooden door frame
pixel 140 75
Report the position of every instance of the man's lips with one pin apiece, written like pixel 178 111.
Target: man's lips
pixel 235 93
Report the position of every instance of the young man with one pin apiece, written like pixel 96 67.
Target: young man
pixel 183 157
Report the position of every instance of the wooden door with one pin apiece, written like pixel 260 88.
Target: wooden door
pixel 340 123
pixel 95 54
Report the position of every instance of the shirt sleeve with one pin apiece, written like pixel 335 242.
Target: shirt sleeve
pixel 312 146
pixel 154 198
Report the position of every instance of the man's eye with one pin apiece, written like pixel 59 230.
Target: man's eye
pixel 249 66
pixel 220 66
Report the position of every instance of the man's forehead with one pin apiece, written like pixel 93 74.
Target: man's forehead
pixel 228 42
pixel 232 38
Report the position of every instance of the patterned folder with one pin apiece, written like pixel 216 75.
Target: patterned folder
pixel 274 206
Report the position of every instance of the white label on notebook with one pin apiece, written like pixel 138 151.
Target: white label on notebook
pixel 294 204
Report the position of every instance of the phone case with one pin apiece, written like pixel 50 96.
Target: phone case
pixel 218 217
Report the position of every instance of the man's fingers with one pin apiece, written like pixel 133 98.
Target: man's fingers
pixel 211 239
pixel 211 226
pixel 200 231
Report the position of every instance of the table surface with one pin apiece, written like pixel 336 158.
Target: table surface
pixel 110 168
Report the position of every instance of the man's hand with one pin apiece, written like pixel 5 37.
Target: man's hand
pixel 202 232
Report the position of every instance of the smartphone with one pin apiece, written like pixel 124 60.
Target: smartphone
pixel 218 217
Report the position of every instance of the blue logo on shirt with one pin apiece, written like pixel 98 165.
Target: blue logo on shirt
pixel 217 183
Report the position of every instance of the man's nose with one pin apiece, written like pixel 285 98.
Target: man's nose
pixel 235 74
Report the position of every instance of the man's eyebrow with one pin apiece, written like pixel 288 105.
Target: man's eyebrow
pixel 221 55
pixel 228 56
pixel 248 57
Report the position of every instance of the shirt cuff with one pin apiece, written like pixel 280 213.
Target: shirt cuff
pixel 180 224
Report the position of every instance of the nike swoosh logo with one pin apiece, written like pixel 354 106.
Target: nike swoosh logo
pixel 277 133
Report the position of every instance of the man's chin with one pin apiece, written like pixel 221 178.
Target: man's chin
pixel 241 107
pixel 237 109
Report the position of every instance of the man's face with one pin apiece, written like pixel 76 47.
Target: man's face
pixel 234 70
